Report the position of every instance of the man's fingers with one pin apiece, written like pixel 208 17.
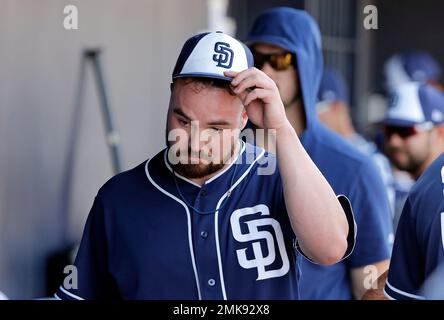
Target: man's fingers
pixel 239 76
pixel 242 96
pixel 231 74
pixel 251 84
pixel 253 81
pixel 257 93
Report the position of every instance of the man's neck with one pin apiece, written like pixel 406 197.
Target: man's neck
pixel 296 116
pixel 415 175
pixel 201 181
pixel 342 120
pixel 346 128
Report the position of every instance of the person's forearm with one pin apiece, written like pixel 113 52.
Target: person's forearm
pixel 378 292
pixel 316 215
pixel 360 277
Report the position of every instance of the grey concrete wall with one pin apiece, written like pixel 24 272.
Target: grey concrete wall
pixel 39 70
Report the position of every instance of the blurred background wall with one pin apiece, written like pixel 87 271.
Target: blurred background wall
pixel 39 70
pixel 53 155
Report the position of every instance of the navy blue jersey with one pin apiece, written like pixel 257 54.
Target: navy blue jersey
pixel 419 241
pixel 142 240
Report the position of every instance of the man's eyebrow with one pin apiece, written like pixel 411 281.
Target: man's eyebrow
pixel 181 113
pixel 218 123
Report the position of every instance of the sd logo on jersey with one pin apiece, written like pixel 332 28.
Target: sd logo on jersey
pixel 251 240
pixel 224 58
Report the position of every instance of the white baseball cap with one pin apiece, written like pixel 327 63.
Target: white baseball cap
pixel 210 54
pixel 414 103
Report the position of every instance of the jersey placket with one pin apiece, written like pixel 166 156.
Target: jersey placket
pixel 204 239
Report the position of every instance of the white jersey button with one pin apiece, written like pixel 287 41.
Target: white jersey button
pixel 211 282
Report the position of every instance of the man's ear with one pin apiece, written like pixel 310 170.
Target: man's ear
pixel 244 119
pixel 171 86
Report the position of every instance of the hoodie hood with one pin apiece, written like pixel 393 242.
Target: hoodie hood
pixel 296 31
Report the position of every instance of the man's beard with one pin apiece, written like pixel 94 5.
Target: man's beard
pixel 195 171
pixel 413 162
pixel 412 165
pixel 297 98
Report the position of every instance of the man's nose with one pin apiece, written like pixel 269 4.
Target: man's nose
pixel 194 138
pixel 395 140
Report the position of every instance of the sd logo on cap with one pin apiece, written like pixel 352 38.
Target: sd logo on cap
pixel 210 55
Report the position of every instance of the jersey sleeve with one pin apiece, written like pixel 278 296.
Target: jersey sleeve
pixel 419 243
pixel 351 237
pixel 281 208
pixel 90 278
pixel 432 288
pixel 373 218
pixel 406 269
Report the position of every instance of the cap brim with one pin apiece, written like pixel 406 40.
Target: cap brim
pixel 202 75
pixel 399 122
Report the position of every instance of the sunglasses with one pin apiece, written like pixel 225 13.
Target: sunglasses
pixel 406 131
pixel 278 61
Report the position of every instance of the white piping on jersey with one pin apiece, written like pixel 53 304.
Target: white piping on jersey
pixel 190 239
pixel 354 224
pixel 442 229
pixel 216 223
pixel 387 295
pixel 355 229
pixel 176 174
pixel 56 297
pixel 70 294
pixel 212 178
pixel 406 294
